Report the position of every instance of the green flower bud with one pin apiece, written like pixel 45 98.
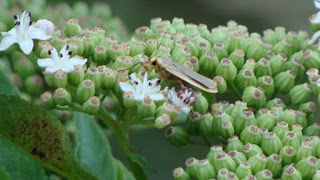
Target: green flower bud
pixel 280 129
pixel 316 176
pixel 288 155
pixel 144 33
pixel 62 97
pixel 275 102
pixel 271 143
pixel 284 81
pixel 180 174
pixel 34 84
pixel 92 105
pixel 208 62
pixel 289 116
pixel 262 68
pixel 100 55
pixel 232 176
pixel 77 45
pixel 205 170
pixel 201 105
pixel 243 170
pixel 60 79
pixel 94 74
pixel 237 58
pixel 206 121
pixel 77 76
pixel 190 30
pixel 291 139
pixel 274 164
pixel 59 42
pixel 220 50
pixel 308 167
pixel 155 22
pixel 257 49
pixel 226 129
pixel 249 64
pixel 234 144
pixel 44 50
pixel 177 136
pixel 266 83
pixel 72 28
pixel 236 41
pixel 268 36
pixel 219 35
pixel 266 120
pixel 297 129
pixel 202 47
pixel 290 172
pixel 162 121
pixel 313 130
pixel 219 117
pixel 238 157
pixel 163 51
pixel 123 62
pixel 278 110
pixel 254 97
pixel 279 33
pixel 109 78
pixel 193 123
pixel 245 119
pixel 146 107
pixel 304 151
pixel 192 167
pixel 311 59
pixel 86 90
pixel 151 46
pixel 258 162
pixel 277 62
pixel 181 55
pixel 221 84
pixel 300 93
pixel 118 49
pixel 178 24
pixel 284 46
pixel 227 70
pixel 251 134
pixel 222 160
pixel 165 39
pixel 222 174
pixel 250 177
pixel 245 78
pixel 48 100
pixel 308 107
pixel 167 108
pixel 251 150
pixel 128 100
pixel 237 109
pixel 214 151
pixel 216 107
pixel 296 66
pixel 264 175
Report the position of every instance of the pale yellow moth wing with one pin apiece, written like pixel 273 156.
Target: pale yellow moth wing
pixel 188 75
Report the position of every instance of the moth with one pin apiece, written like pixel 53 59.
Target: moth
pixel 168 68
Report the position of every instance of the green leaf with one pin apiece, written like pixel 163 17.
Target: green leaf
pixel 18 165
pixel 6 85
pixel 94 149
pixel 122 172
pixel 40 135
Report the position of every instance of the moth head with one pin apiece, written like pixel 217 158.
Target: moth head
pixel 153 60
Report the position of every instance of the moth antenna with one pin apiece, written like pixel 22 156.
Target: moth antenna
pixel 135 65
pixel 162 40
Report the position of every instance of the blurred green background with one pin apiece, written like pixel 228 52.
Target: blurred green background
pixel 257 15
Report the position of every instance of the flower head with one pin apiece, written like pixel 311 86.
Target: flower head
pixel 61 61
pixel 183 98
pixel 23 33
pixel 142 89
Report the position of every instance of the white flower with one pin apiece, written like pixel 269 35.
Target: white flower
pixel 22 33
pixel 315 20
pixel 45 25
pixel 61 61
pixel 143 89
pixel 183 98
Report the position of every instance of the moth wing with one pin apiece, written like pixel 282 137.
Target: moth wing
pixel 190 76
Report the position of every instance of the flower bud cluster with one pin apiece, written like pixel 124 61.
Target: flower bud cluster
pixel 267 143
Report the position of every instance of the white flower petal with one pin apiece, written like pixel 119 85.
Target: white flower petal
pixel 51 70
pixel 26 46
pixel 76 61
pixel 156 96
pixel 318 84
pixel 54 54
pixel 317 4
pixel 36 33
pixel 45 62
pixel 126 87
pixel 6 42
pixel 67 69
pixel 45 25
pixel 315 36
pixel 186 109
